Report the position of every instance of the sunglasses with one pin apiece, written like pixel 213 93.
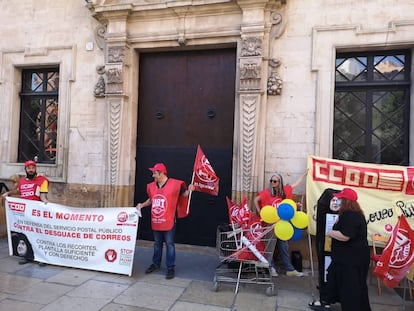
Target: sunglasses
pixel 273 181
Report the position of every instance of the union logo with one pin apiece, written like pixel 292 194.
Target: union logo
pixel 402 252
pixel 206 172
pixel 159 205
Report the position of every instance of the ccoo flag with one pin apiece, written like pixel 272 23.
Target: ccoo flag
pixel 205 179
pixel 398 255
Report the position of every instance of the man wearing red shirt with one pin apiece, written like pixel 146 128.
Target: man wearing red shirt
pixel 32 187
pixel 165 196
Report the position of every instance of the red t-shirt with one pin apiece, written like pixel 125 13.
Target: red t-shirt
pixel 267 199
pixel 30 189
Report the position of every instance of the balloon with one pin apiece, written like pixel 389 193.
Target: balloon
pixel 283 230
pixel 297 234
pixel 300 220
pixel 285 211
pixel 290 202
pixel 268 214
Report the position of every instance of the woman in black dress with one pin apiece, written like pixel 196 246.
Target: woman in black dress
pixel 348 271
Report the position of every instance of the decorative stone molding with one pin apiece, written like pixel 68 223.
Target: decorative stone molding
pixel 99 90
pixel 250 73
pixel 100 32
pixel 249 106
pixel 274 82
pixel 116 54
pixel 251 46
pixel 114 75
pixel 278 21
pixel 115 131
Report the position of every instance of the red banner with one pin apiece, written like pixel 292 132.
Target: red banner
pixel 205 179
pixel 238 215
pixel 398 255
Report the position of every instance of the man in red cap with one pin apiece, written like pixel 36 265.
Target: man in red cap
pixel 165 196
pixel 32 187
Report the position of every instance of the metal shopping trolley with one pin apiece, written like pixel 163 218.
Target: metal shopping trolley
pixel 245 257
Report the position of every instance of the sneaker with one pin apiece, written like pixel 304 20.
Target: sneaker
pixel 152 268
pixel 23 261
pixel 273 272
pixel 170 274
pixel 294 273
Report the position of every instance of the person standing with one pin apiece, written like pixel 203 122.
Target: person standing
pixel 32 187
pixel 348 271
pixel 273 195
pixel 165 195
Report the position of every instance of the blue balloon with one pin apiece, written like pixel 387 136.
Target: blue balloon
pixel 297 234
pixel 285 211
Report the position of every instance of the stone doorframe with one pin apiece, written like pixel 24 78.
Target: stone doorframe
pixel 128 27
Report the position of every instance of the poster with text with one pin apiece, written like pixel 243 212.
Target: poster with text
pixel 384 191
pixel 101 239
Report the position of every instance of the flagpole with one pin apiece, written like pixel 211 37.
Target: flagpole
pixel 189 195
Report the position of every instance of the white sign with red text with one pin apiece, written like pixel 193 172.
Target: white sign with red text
pixel 101 239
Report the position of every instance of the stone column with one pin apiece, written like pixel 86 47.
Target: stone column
pixel 120 119
pixel 252 99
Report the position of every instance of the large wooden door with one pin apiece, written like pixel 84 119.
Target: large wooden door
pixel 186 99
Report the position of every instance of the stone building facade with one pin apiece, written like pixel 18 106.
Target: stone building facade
pixel 285 80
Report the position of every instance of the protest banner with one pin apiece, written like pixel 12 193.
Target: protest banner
pixel 384 191
pixel 101 239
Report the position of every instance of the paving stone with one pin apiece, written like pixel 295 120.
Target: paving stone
pixel 42 293
pixel 152 296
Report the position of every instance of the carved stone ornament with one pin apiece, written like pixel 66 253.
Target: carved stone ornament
pixel 99 90
pixel 116 54
pixel 251 46
pixel 250 74
pixel 100 36
pixel 114 75
pixel 274 82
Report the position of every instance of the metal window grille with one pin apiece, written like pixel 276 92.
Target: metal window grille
pixel 371 107
pixel 39 115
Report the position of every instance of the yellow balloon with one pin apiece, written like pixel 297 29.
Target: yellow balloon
pixel 300 220
pixel 283 230
pixel 268 214
pixel 290 202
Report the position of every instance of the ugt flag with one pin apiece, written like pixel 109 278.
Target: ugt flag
pixel 205 179
pixel 398 255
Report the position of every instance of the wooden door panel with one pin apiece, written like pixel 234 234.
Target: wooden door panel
pixel 186 99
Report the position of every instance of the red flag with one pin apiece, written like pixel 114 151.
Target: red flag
pixel 398 255
pixel 238 215
pixel 205 179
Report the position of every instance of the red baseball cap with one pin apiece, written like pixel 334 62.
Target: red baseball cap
pixel 159 167
pixel 29 163
pixel 347 193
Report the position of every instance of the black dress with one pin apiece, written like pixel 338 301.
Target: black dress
pixel 348 271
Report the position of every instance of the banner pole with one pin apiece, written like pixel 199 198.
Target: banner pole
pixel 189 196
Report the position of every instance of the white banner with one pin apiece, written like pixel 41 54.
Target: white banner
pixel 101 239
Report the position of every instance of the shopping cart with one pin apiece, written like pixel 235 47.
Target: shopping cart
pixel 245 257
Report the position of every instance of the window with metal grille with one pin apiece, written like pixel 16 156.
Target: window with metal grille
pixel 372 106
pixel 39 115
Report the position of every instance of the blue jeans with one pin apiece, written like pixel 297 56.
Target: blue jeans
pixel 283 247
pixel 168 238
